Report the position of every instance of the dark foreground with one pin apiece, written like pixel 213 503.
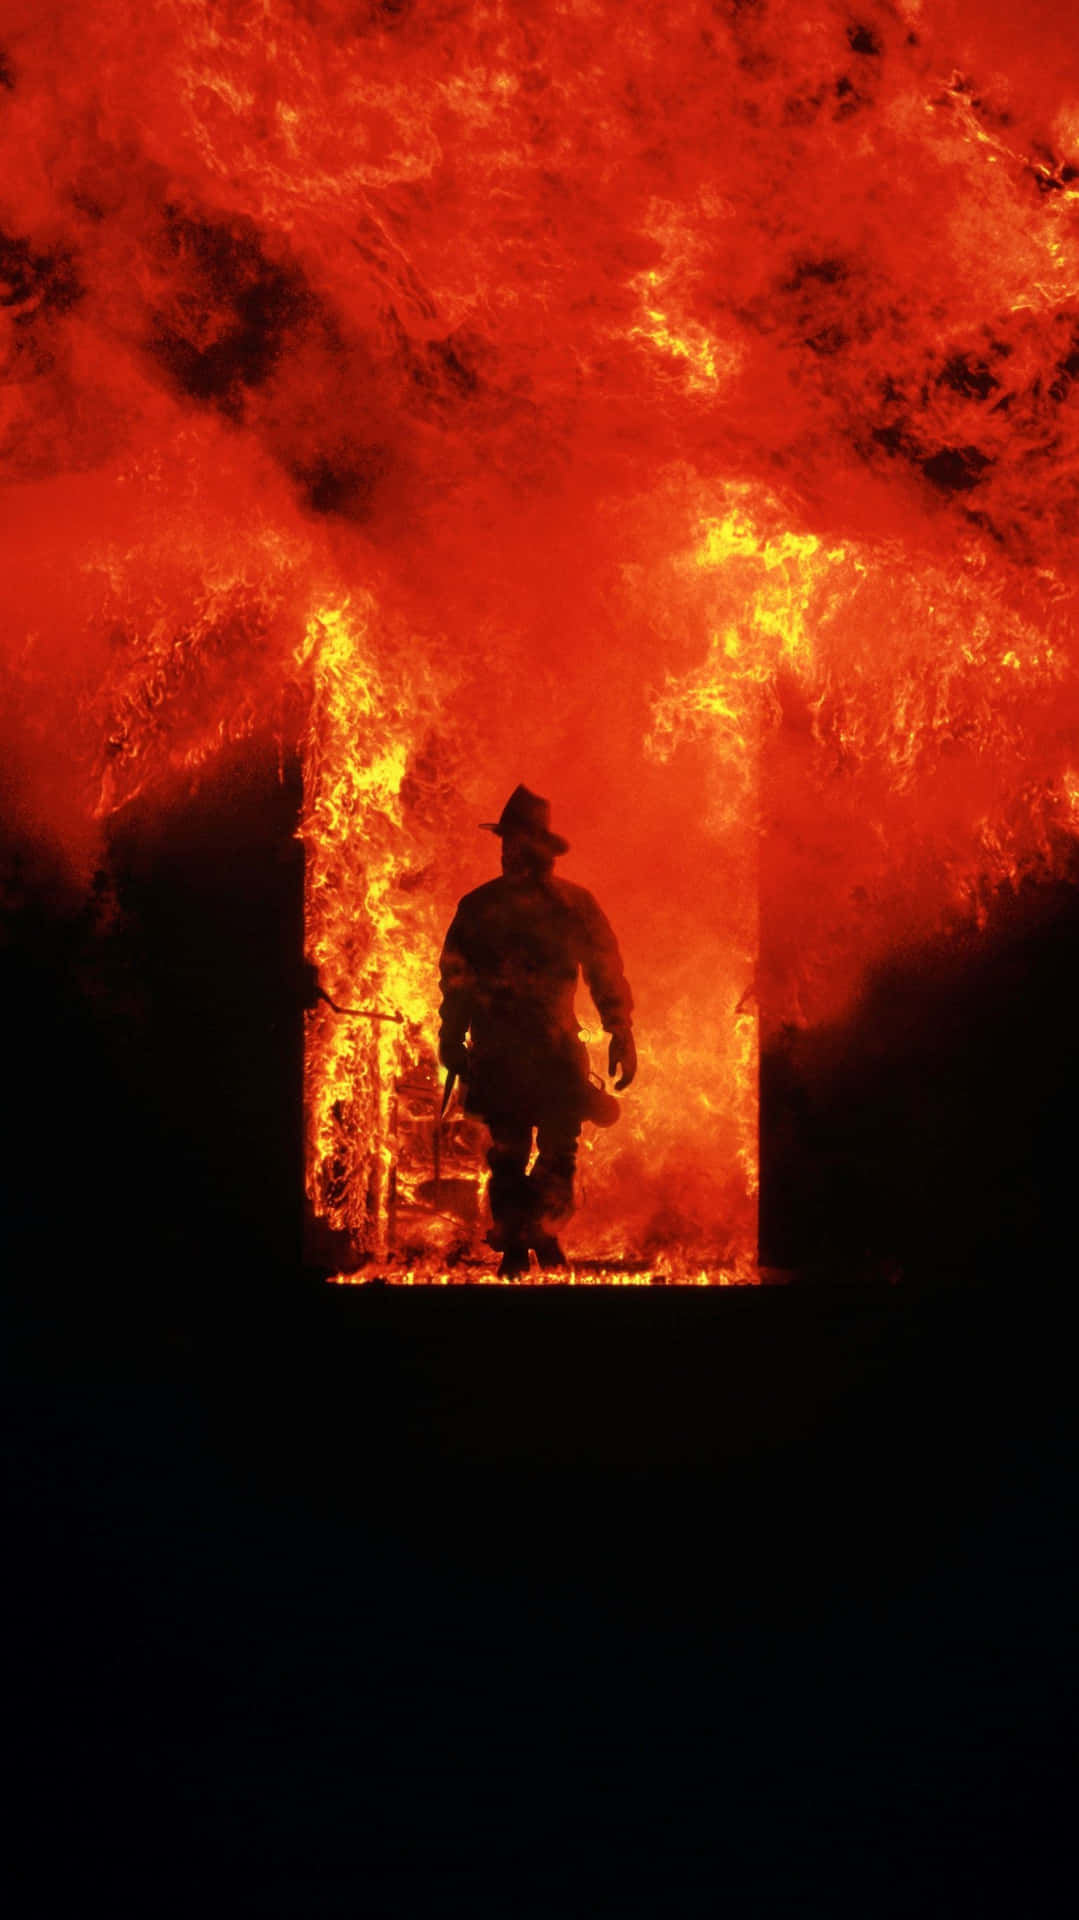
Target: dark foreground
pixel 542 1604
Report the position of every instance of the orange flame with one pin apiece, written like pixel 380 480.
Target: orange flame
pixel 664 406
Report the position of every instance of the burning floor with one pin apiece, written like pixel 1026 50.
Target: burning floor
pixel 596 1273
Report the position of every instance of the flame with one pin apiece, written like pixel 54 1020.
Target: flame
pixel 646 1277
pixel 369 936
pixel 675 409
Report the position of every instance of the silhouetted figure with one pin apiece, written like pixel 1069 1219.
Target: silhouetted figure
pixel 509 973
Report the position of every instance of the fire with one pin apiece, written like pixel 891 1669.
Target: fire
pixel 379 897
pixel 364 931
pixel 432 1276
pixel 675 409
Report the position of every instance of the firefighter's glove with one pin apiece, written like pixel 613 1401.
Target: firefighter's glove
pixel 454 1056
pixel 622 1053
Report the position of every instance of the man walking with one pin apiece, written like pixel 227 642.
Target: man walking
pixel 509 972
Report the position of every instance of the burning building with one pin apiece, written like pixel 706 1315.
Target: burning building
pixel 671 407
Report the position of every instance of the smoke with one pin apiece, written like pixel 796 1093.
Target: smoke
pixel 635 362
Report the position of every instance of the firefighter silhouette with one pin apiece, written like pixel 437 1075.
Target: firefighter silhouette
pixel 509 971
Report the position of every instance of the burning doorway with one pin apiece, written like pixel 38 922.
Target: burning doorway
pixel 391 830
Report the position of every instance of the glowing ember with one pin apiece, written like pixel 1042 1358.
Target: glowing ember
pixel 645 1277
pixel 674 408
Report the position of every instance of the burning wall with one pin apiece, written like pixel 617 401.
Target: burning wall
pixel 673 407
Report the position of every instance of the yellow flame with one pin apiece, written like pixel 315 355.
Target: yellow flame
pixel 570 1277
pixel 375 947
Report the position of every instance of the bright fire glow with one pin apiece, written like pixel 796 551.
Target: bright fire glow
pixel 672 407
